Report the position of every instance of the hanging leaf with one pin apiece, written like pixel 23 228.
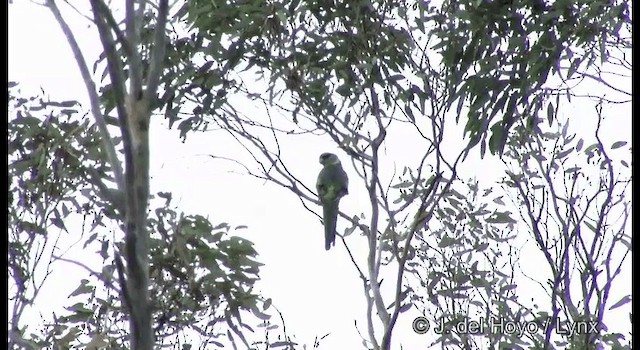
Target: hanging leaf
pixel 626 299
pixel 618 144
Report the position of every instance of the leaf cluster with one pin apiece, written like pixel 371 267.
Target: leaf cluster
pixel 499 54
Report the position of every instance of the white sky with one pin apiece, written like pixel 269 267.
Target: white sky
pixel 318 292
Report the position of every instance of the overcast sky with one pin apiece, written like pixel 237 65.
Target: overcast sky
pixel 317 291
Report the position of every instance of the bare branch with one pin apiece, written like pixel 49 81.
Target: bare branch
pixel 158 52
pixel 135 64
pixel 98 275
pixel 114 65
pixel 108 17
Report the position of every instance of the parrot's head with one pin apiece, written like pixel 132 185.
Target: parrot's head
pixel 329 158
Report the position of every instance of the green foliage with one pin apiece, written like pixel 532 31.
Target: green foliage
pixel 54 158
pixel 355 70
pixel 557 184
pixel 203 274
pixel 468 238
pixel 497 57
pixel 48 165
pixel 323 55
pixel 49 156
pixel 499 54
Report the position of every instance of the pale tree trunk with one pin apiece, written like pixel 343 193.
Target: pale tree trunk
pixel 133 109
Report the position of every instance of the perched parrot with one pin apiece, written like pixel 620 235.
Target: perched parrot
pixel 332 184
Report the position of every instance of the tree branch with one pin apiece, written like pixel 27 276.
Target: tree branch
pixel 114 65
pixel 135 64
pixel 94 100
pixel 157 56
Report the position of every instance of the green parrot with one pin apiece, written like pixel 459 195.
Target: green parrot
pixel 331 185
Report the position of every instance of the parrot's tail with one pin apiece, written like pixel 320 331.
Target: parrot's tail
pixel 330 214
